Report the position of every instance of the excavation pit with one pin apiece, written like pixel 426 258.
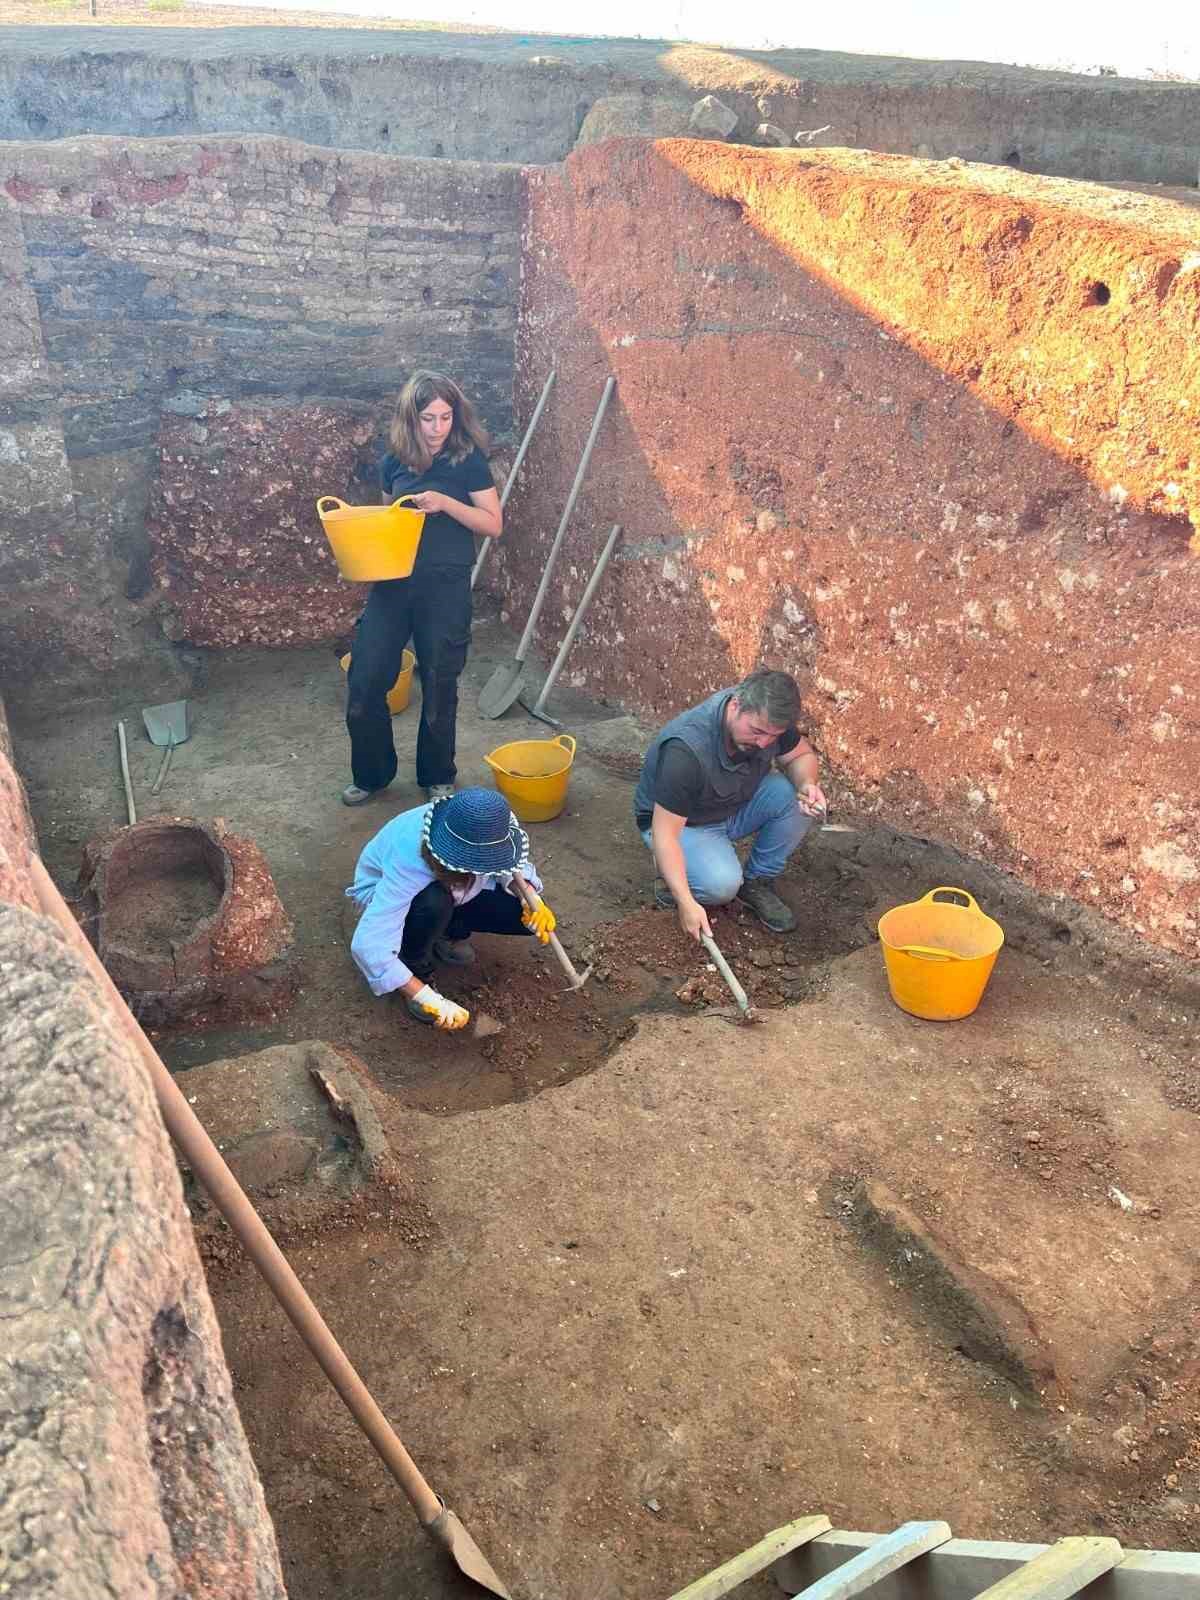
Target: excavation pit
pixel 185 935
pixel 633 1184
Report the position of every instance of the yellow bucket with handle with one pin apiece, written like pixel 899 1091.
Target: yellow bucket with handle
pixel 939 952
pixel 532 775
pixel 398 694
pixel 372 543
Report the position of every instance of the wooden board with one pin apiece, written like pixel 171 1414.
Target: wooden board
pixel 724 1578
pixel 1059 1572
pixel 962 1569
pixel 881 1558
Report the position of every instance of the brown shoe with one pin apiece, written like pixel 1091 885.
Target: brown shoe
pixel 758 895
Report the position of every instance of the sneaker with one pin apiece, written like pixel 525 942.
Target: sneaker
pixel 453 952
pixel 663 898
pixel 352 795
pixel 758 895
pixel 438 791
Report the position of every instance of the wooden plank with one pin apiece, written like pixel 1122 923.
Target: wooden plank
pixel 886 1555
pixel 1058 1573
pixel 779 1543
pixel 961 1568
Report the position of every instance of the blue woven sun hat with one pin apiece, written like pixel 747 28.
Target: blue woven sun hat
pixel 474 831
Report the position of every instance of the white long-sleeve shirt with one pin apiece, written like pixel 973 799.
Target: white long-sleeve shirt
pixel 390 874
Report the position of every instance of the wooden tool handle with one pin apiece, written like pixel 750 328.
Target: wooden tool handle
pixel 564 959
pixel 726 971
pixel 230 1199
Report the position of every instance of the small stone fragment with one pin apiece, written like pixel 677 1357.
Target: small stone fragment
pixel 770 134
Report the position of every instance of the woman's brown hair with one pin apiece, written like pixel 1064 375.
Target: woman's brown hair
pixel 466 433
pixel 445 875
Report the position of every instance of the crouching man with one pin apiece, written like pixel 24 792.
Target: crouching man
pixel 734 767
pixel 426 882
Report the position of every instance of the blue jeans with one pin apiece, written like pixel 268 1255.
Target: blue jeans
pixel 771 814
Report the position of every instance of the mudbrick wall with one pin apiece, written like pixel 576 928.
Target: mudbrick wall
pixel 126 1470
pixel 923 433
pixel 243 309
pixel 512 97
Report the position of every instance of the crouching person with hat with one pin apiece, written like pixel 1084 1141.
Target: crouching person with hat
pixel 426 882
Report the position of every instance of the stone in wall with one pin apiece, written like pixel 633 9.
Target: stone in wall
pixel 501 97
pixel 238 553
pixel 920 432
pixel 16 828
pixel 138 276
pixel 625 116
pixel 126 1468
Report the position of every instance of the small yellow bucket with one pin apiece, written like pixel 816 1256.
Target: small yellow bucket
pixel 532 775
pixel 939 955
pixel 399 692
pixel 371 543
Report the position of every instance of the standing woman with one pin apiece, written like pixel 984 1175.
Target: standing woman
pixel 437 456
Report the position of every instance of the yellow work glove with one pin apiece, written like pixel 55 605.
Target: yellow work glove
pixel 540 920
pixel 444 1012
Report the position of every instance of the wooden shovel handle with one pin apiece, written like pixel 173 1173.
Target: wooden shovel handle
pixel 230 1199
pixel 564 959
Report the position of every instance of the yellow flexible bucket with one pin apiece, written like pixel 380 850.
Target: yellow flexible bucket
pixel 532 775
pixel 939 954
pixel 370 543
pixel 399 692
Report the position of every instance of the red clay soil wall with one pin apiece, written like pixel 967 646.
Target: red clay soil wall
pixel 923 433
pixel 126 1470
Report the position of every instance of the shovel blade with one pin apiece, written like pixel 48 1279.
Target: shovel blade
pixel 500 691
pixel 168 724
pixel 447 1531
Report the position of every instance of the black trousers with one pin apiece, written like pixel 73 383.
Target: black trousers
pixel 433 609
pixel 434 915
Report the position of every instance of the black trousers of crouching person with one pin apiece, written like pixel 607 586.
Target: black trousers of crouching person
pixel 434 915
pixel 433 609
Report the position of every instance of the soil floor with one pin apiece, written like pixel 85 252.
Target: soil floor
pixel 629 1325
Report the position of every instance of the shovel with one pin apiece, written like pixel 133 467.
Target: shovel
pixel 169 725
pixel 576 980
pixel 538 708
pixel 502 688
pixel 516 467
pixel 746 1012
pixel 442 1525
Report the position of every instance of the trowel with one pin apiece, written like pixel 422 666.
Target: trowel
pixel 168 725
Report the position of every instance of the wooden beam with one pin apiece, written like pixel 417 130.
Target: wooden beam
pixel 879 1560
pixel 1059 1572
pixel 961 1568
pixel 724 1578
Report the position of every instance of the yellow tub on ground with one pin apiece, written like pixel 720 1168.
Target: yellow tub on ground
pixel 939 952
pixel 371 543
pixel 532 775
pixel 399 692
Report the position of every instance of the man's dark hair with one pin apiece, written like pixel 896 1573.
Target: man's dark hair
pixel 774 696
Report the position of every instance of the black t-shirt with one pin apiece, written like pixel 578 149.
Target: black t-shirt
pixel 444 542
pixel 679 782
